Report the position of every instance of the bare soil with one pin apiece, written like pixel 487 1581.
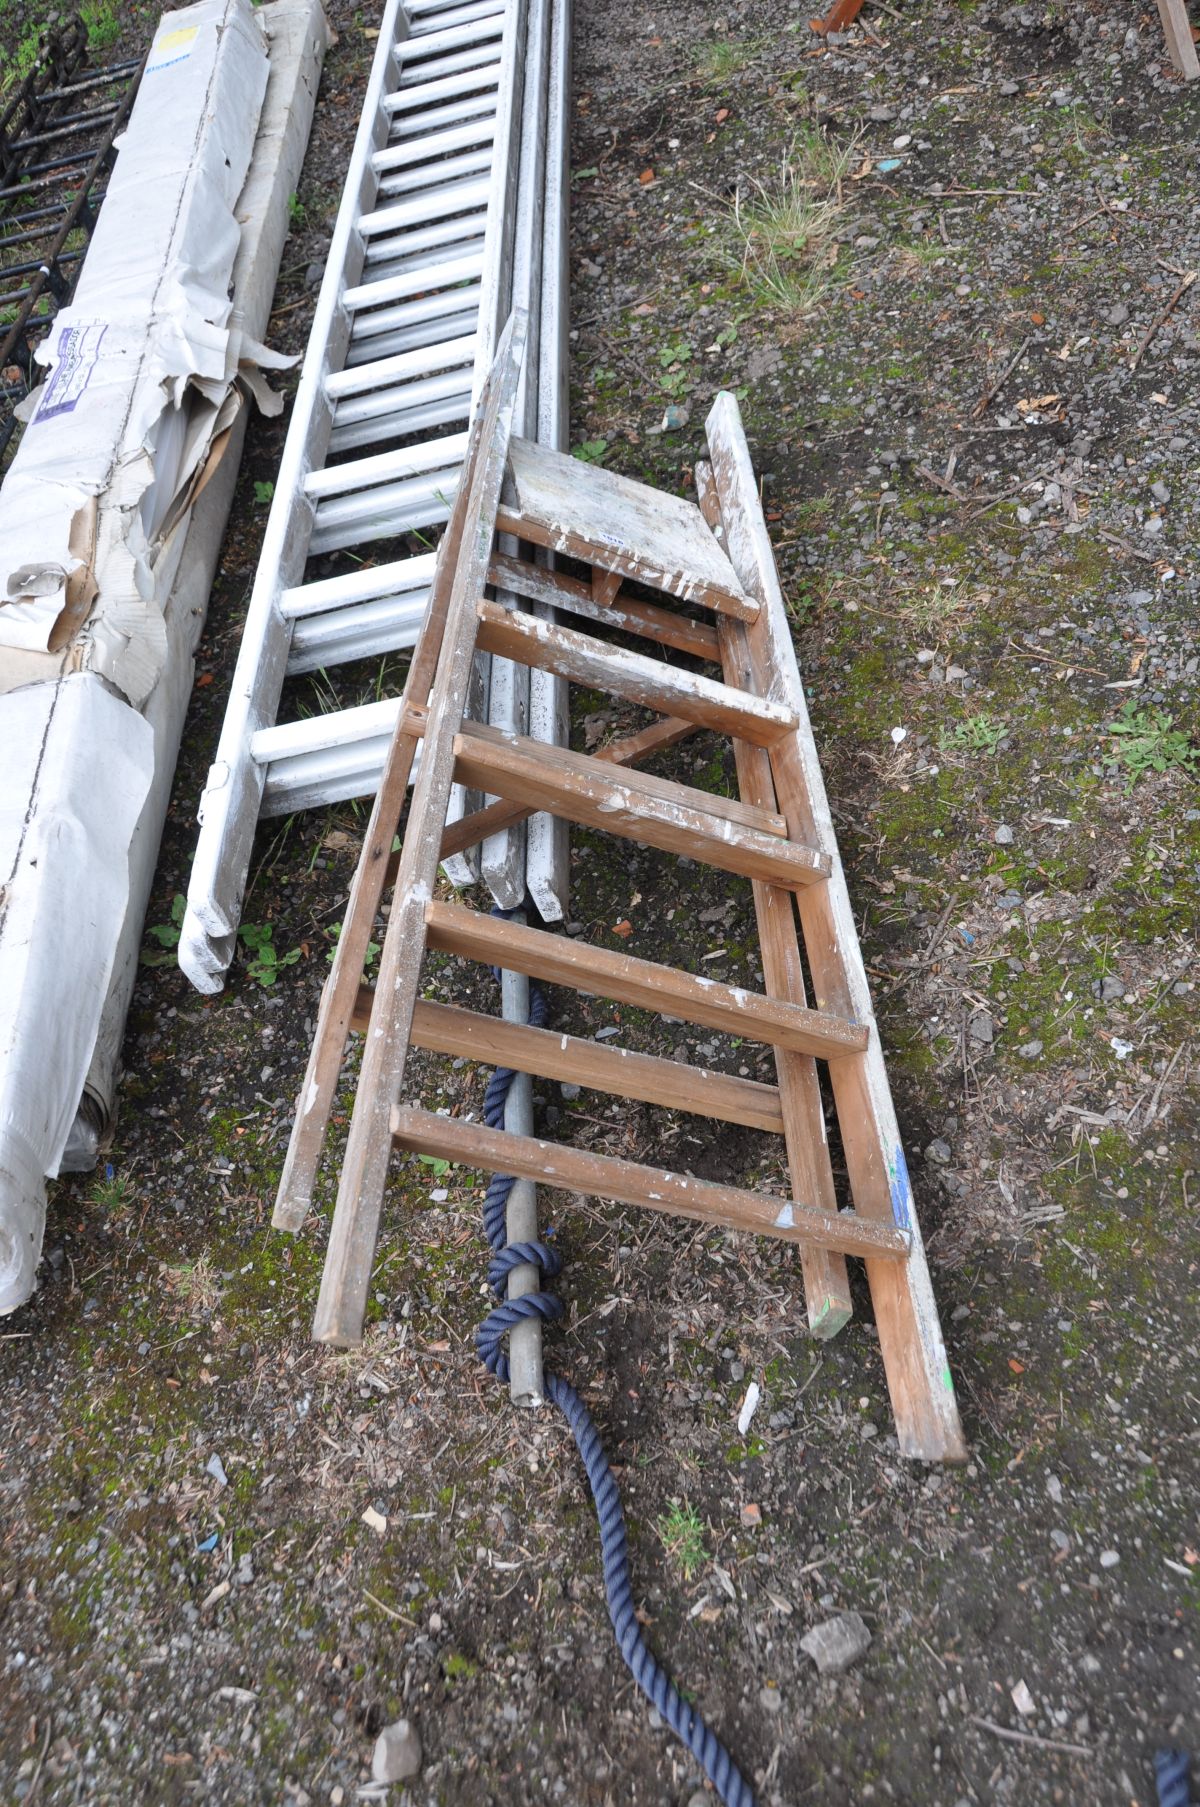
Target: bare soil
pixel 998 581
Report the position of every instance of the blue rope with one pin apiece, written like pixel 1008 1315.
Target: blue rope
pixel 647 1672
pixel 1171 1774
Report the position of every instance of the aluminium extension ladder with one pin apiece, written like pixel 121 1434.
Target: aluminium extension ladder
pixel 453 211
pixel 778 833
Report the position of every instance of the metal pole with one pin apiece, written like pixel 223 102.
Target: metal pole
pixel 525 1342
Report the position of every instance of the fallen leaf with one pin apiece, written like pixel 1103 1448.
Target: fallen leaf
pixel 1016 1366
pixel 624 928
pixel 1191 1557
pixel 204 680
pixel 1038 319
pixel 647 175
pixel 1034 404
pixel 858 294
pixel 722 115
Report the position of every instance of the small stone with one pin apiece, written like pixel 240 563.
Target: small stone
pixel 1030 1050
pixel 1060 1540
pixel 771 1699
pixel 1111 989
pixel 1118 315
pixel 1054 1488
pixel 1153 525
pixel 751 1516
pixel 700 1799
pixel 397 1753
pixel 837 1643
pixel 1109 1559
pixel 1160 492
pixel 1010 87
pixel 569 1089
pixel 1003 836
pixel 216 1468
pixel 675 418
pixel 939 1151
pixel 981 1028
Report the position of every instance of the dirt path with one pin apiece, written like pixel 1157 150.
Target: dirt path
pixel 1001 583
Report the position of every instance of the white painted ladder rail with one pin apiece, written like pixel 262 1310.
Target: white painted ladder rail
pixel 418 295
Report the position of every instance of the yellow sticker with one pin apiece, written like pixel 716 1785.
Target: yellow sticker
pixel 172 47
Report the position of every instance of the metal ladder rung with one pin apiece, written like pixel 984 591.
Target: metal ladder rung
pixel 385 428
pixel 424 246
pixel 452 353
pixel 329 594
pixel 467 87
pixel 422 209
pixel 427 176
pixel 385 341
pixel 384 513
pixel 422 24
pixel 440 144
pixel 417 280
pixel 436 44
pixel 389 624
pixel 317 780
pixel 429 10
pixel 321 733
pixel 361 473
pixel 447 60
pixel 403 398
pixel 410 125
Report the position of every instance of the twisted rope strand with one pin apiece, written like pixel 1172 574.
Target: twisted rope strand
pixel 647 1672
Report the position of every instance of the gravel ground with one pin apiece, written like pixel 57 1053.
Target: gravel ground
pixel 191 1603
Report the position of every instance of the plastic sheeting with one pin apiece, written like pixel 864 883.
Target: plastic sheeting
pixel 64 885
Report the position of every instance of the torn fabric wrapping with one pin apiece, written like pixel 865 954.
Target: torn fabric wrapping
pixel 64 884
pixel 141 367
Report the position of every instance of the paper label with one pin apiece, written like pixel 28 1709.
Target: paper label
pixel 171 48
pixel 78 352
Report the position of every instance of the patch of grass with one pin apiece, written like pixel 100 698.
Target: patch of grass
pixel 102 21
pixel 1147 740
pixel 263 494
pixel 195 1284
pixel 682 1533
pixel 297 212
pixel 978 734
pixel 110 1194
pixel 783 232
pixel 717 61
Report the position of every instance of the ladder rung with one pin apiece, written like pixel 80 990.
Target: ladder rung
pixel 439 144
pixel 413 51
pixel 362 631
pixel 619 525
pixel 386 342
pixel 451 14
pixel 383 467
pixel 423 209
pixel 655 1188
pixel 416 503
pixel 628 613
pixel 421 246
pixel 322 733
pixel 402 398
pixel 365 585
pixel 414 282
pixel 419 78
pixel 451 929
pixel 430 176
pixel 634 805
pixel 530 640
pixel 421 362
pixel 455 405
pixel 454 112
pixel 597 1066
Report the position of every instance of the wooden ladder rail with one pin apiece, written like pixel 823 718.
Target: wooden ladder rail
pixel 910 1335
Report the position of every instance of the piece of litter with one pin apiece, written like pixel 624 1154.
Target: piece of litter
pixel 210 1543
pixel 376 1520
pixel 1023 1700
pixel 751 1516
pixel 898 735
pixel 1121 1049
pixel 397 1753
pixel 749 1407
pixel 216 1468
pixel 217 1593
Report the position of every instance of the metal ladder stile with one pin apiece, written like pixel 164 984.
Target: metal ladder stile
pixel 419 276
pixel 714 559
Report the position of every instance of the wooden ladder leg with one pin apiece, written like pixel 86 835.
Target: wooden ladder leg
pixel 374 871
pixel 910 1334
pixel 350 1256
pixel 1180 43
pixel 826 1280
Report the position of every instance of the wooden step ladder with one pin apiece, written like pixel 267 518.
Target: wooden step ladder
pixel 716 558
